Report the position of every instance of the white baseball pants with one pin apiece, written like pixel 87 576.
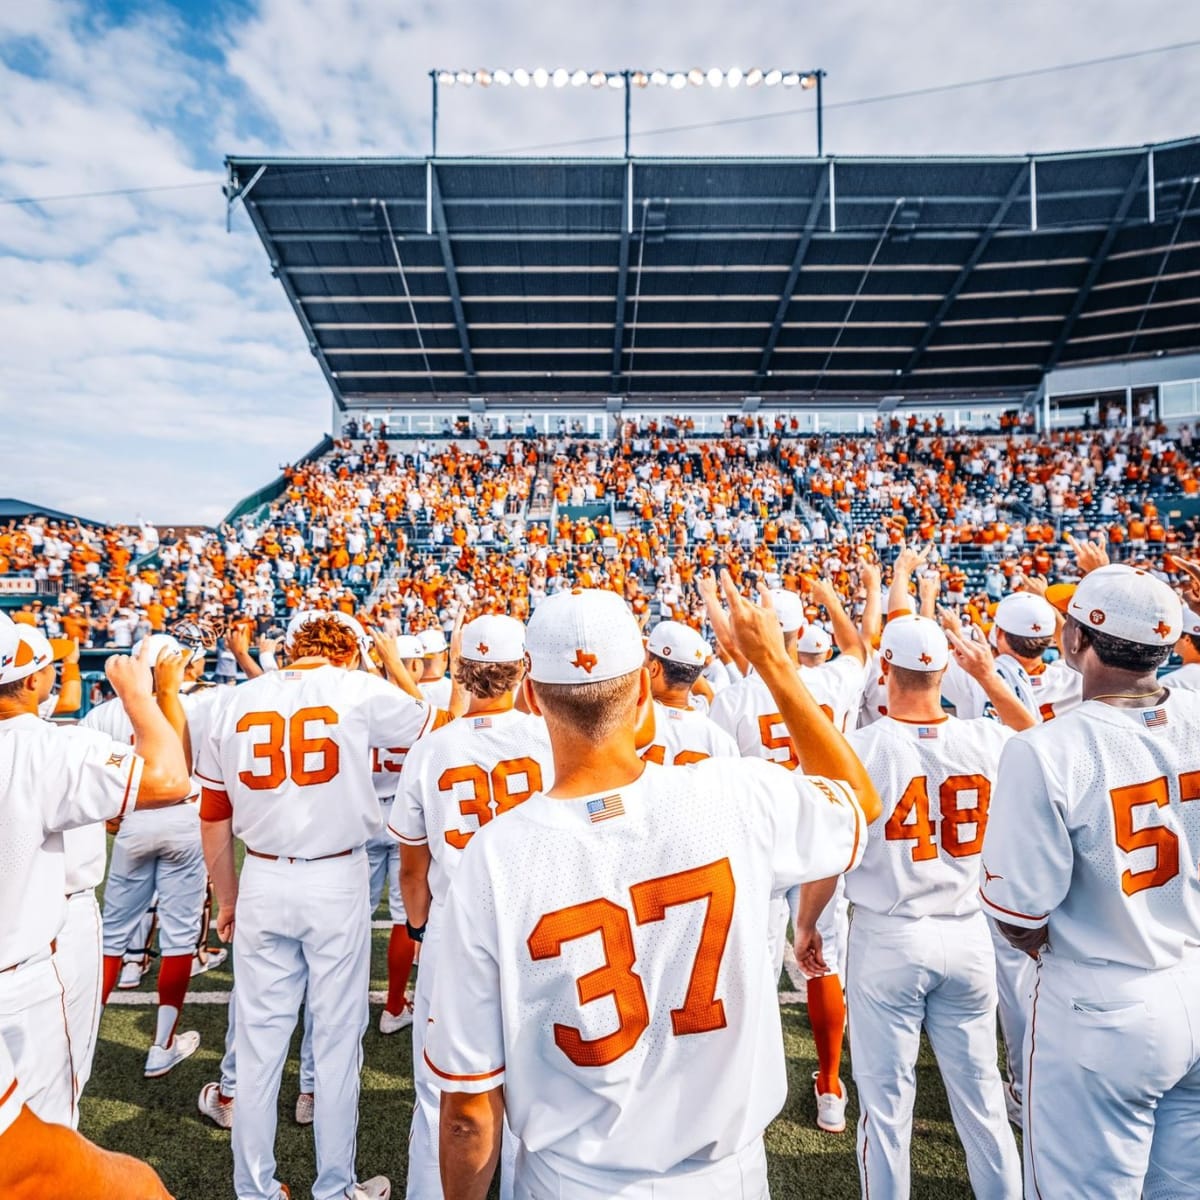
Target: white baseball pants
pixel 383 854
pixel 303 932
pixel 78 961
pixel 1112 1081
pixel 33 1026
pixel 1015 975
pixel 229 1058
pixel 741 1176
pixel 940 973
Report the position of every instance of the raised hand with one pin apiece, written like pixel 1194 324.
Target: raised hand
pixel 1191 584
pixel 131 675
pixel 974 657
pixel 755 628
pixel 1089 555
pixel 912 557
pixel 168 673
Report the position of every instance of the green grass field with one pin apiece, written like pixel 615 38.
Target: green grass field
pixel 156 1119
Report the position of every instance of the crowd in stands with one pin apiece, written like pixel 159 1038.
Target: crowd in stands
pixel 409 532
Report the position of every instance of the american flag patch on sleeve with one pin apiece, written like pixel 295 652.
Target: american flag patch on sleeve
pixel 605 809
pixel 481 723
pixel 927 731
pixel 1155 718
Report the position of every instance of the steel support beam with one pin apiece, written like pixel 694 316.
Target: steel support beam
pixel 443 236
pixel 1098 260
pixel 785 299
pixel 618 349
pixel 968 268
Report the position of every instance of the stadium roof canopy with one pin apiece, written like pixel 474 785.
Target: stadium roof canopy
pixel 823 279
pixel 12 509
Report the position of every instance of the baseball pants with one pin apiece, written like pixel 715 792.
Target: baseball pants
pixel 1015 974
pixel 160 855
pixel 833 924
pixel 1112 1081
pixel 33 1027
pixel 78 961
pixel 229 1058
pixel 383 855
pixel 940 973
pixel 303 933
pixel 741 1176
pixel 424 1171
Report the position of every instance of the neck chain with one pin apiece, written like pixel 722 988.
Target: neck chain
pixel 1128 695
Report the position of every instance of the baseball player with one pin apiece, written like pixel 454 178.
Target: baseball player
pixel 1188 648
pixel 457 779
pixel 919 953
pixel 1090 862
pixel 675 655
pixel 156 853
pixel 41 1159
pixel 603 978
pixel 1023 630
pixel 747 711
pixel 285 767
pixel 57 778
pixel 78 943
pixel 435 654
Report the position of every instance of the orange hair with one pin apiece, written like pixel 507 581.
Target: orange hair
pixel 324 637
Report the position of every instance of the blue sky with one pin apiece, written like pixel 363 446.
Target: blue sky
pixel 151 367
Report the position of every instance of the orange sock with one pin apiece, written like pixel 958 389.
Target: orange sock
pixel 174 974
pixel 401 952
pixel 112 972
pixel 827 1015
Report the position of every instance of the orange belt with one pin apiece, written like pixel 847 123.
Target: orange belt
pixel 5 970
pixel 297 858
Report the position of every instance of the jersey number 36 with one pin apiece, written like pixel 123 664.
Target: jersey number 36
pixel 701 1010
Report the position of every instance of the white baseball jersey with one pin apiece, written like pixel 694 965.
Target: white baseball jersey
pixel 1056 689
pixel 935 781
pixel 683 735
pixel 457 778
pixel 11 1098
pixel 748 713
pixel 291 751
pixel 604 960
pixel 52 778
pixel 875 697
pixel 1187 676
pixel 437 692
pixel 970 700
pixel 1095 829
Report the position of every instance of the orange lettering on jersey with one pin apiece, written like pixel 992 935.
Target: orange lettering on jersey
pixel 1159 838
pixel 585 662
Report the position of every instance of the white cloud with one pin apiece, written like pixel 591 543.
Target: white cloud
pixel 153 366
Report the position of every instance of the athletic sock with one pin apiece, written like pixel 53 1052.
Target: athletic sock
pixel 827 1015
pixel 112 972
pixel 401 952
pixel 174 972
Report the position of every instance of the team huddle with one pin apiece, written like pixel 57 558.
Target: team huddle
pixel 597 843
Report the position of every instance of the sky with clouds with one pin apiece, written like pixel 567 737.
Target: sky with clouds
pixel 151 367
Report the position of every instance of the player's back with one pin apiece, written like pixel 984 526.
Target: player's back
pixel 683 736
pixel 1123 811
pixel 459 777
pixel 935 782
pixel 292 751
pixel 639 1019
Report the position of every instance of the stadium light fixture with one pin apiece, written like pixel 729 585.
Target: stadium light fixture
pixel 627 80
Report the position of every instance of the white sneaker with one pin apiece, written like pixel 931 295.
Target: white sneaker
pixel 831 1109
pixel 217 1110
pixel 305 1108
pixel 378 1187
pixel 162 1059
pixel 394 1022
pixel 131 974
pixel 211 960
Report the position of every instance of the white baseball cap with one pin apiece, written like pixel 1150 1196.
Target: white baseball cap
pixel 433 641
pixel 914 643
pixel 408 645
pixel 1025 615
pixel 493 639
pixel 678 642
pixel 789 608
pixel 160 644
pixel 23 651
pixel 1128 603
pixel 814 640
pixel 1191 622
pixel 583 636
